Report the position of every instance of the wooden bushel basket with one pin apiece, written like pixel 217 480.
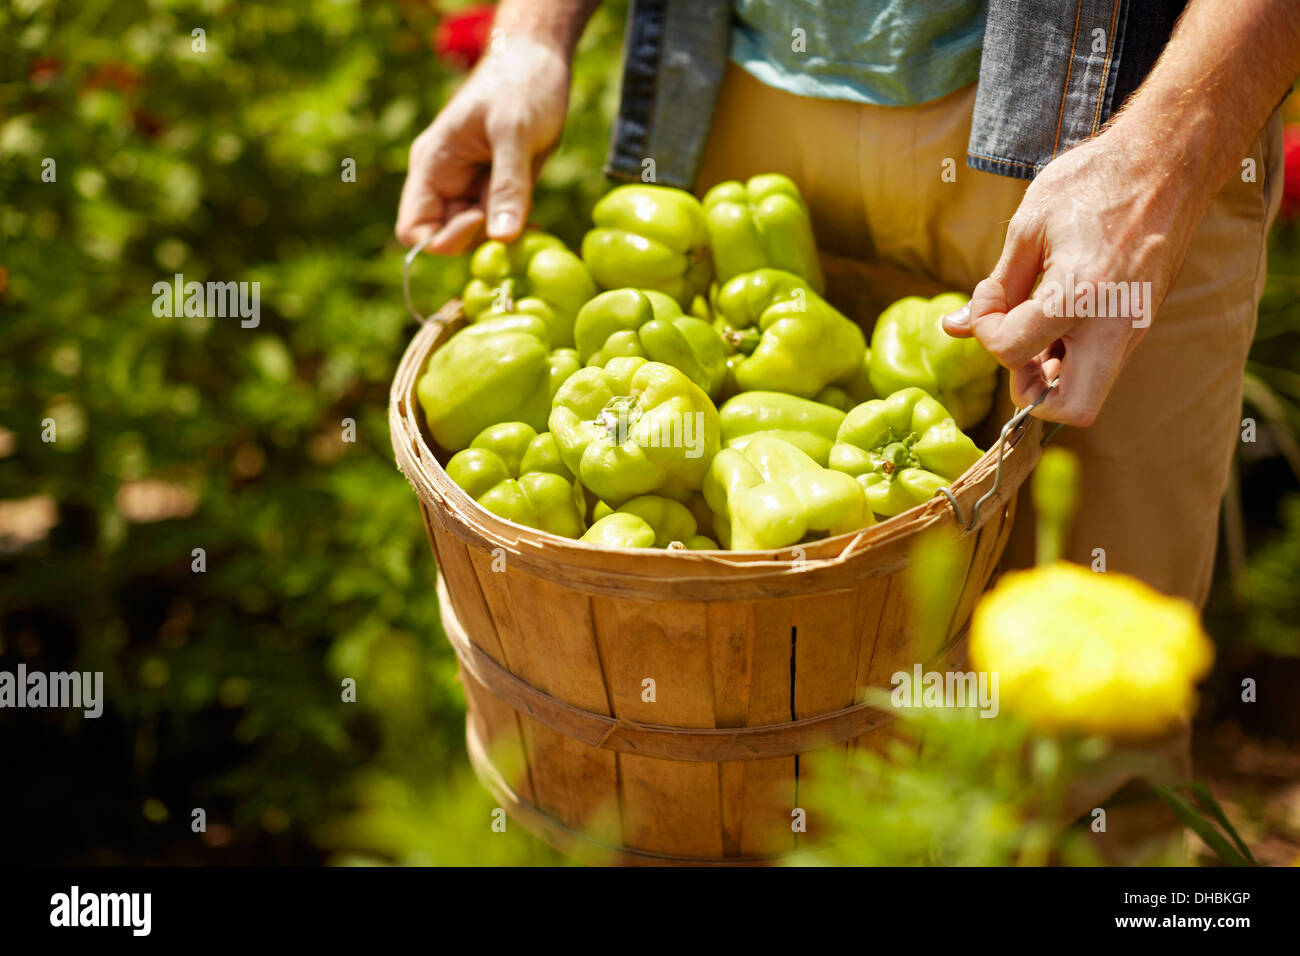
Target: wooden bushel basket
pixel 756 658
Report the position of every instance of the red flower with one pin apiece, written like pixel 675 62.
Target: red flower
pixel 42 70
pixel 461 37
pixel 123 77
pixel 1291 181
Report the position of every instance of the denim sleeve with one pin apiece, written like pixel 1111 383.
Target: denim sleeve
pixel 1047 78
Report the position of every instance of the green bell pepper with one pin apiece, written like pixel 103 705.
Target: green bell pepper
pixel 647 521
pixel 902 449
pixel 618 530
pixel 535 275
pixel 635 428
pixel 835 397
pixel 700 307
pixel 910 348
pixel 772 495
pixel 703 515
pixel 761 224
pixel 801 343
pixel 854 389
pixel 516 473
pixel 651 325
pixel 500 369
pixel 649 237
pixel 809 426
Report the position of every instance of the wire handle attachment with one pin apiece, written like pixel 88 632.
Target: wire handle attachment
pixel 1012 424
pixel 407 262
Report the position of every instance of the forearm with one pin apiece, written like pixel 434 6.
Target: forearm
pixel 558 23
pixel 1225 69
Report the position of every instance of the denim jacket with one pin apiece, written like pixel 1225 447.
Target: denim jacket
pixel 1051 73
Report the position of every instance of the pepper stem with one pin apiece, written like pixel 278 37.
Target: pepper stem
pixel 608 420
pixel 894 456
pixel 617 418
pixel 743 340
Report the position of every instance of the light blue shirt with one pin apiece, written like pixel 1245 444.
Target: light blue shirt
pixel 884 52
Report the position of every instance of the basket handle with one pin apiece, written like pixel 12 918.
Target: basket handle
pixel 407 262
pixel 1012 424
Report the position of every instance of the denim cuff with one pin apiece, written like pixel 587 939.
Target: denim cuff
pixel 1047 81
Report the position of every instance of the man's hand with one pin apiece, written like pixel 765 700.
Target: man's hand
pixel 479 158
pixel 1090 221
pixel 1113 217
pixel 476 163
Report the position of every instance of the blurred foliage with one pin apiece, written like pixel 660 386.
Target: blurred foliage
pixel 956 802
pixel 447 825
pixel 1256 604
pixel 955 791
pixel 223 687
pixel 1259 603
pixel 1272 587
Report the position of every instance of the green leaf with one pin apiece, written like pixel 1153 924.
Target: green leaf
pixel 1211 806
pixel 1201 827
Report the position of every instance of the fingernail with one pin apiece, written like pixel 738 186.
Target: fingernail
pixel 504 224
pixel 959 319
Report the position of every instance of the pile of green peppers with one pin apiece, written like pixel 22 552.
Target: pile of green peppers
pixel 683 384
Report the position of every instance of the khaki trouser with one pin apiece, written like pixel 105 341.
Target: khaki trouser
pixel 1155 463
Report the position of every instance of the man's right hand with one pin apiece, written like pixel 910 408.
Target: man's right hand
pixel 476 163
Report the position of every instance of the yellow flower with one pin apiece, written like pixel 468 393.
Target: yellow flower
pixel 1093 653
